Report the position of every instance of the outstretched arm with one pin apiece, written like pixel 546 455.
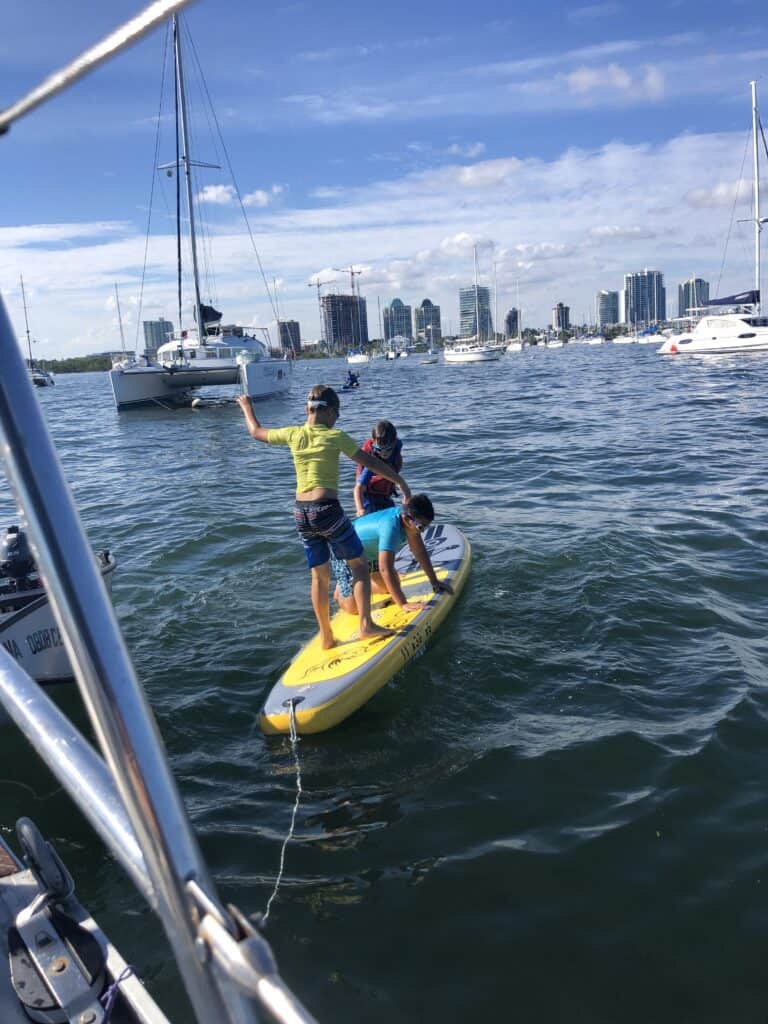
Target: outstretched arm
pixel 255 429
pixel 382 468
pixel 420 553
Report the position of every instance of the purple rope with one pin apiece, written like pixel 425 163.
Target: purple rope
pixel 109 997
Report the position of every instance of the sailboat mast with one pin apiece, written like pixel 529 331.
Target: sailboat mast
pixel 477 302
pixel 756 175
pixel 120 319
pixel 26 320
pixel 187 174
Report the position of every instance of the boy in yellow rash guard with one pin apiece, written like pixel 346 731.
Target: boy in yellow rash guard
pixel 320 520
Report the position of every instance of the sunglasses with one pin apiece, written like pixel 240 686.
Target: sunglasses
pixel 421 527
pixel 385 449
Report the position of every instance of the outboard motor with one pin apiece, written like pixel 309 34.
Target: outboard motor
pixel 16 562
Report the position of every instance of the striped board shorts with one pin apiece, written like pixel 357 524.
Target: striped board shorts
pixel 324 528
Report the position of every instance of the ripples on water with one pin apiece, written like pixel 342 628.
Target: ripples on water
pixel 558 812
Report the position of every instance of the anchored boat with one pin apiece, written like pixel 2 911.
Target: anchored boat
pixel 207 354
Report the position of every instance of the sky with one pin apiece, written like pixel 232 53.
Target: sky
pixel 571 143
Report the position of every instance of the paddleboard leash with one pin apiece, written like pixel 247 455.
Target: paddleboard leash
pixel 294 737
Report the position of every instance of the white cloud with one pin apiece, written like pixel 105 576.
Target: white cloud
pixel 218 195
pixel 470 149
pixel 594 11
pixel 724 193
pixel 615 232
pixel 263 197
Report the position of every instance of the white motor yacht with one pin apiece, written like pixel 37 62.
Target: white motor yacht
pixel 358 358
pixel 724 332
pixel 471 352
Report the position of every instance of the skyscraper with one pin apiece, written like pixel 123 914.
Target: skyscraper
pixel 427 315
pixel 469 307
pixel 690 294
pixel 156 333
pixel 290 335
pixel 645 298
pixel 512 323
pixel 561 317
pixel 397 321
pixel 345 321
pixel 606 309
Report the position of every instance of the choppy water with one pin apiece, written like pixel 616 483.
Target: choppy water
pixel 559 812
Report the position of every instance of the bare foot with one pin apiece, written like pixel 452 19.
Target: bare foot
pixel 372 631
pixel 327 642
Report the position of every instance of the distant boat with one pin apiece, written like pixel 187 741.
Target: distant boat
pixel 514 346
pixel 358 358
pixel 39 377
pixel 476 349
pixel 740 328
pixel 472 352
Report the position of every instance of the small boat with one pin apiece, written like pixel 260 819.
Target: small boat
pixel 28 630
pixel 39 377
pixel 358 358
pixel 514 346
pixel 471 352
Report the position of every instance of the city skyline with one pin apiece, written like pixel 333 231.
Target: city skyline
pixel 421 143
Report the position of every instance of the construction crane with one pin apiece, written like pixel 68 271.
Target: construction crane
pixel 352 275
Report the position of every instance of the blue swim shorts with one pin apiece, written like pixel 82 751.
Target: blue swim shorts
pixel 343 574
pixel 323 527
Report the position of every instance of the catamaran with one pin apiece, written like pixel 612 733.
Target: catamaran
pixel 740 327
pixel 209 353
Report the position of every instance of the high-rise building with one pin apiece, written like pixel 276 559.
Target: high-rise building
pixel 691 294
pixel 426 321
pixel 469 308
pixel 290 335
pixel 561 317
pixel 156 333
pixel 397 321
pixel 645 298
pixel 512 323
pixel 606 309
pixel 345 321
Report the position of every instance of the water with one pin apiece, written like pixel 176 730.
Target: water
pixel 558 813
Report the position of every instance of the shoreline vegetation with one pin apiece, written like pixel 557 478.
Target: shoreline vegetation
pixel 103 360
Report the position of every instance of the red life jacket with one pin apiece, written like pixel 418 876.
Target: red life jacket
pixel 379 484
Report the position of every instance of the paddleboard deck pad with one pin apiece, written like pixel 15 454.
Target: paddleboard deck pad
pixel 326 686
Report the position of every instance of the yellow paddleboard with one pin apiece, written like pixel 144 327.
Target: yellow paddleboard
pixel 327 686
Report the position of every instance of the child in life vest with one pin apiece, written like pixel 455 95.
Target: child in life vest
pixel 320 520
pixel 374 491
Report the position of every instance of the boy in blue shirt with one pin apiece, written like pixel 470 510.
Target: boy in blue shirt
pixel 382 535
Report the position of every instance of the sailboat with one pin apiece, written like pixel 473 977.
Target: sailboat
pixel 475 349
pixel 211 352
pixel 740 328
pixel 39 377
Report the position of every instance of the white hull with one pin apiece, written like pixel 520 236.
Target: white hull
pixel 515 346
pixel 135 386
pixel 31 636
pixel 472 354
pixel 720 335
pixel 358 358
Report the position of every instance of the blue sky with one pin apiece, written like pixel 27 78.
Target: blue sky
pixel 572 142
